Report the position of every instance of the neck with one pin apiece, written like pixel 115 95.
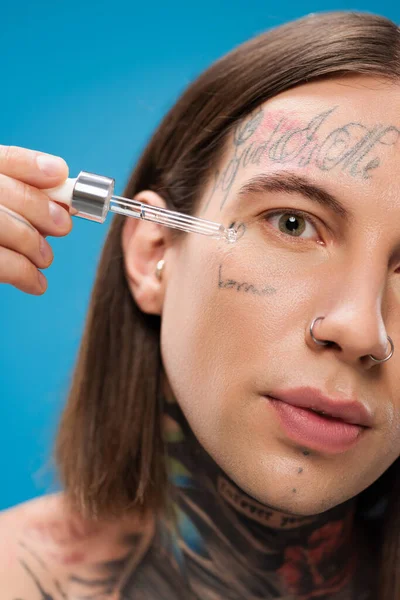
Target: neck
pixel 226 540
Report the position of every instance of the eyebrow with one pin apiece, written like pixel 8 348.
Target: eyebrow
pixel 285 181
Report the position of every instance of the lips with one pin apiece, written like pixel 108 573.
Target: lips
pixel 348 410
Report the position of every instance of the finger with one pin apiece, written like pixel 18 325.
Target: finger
pixel 22 164
pixel 18 271
pixel 19 235
pixel 48 217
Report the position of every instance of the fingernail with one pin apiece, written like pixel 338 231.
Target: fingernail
pixel 59 215
pixel 51 165
pixel 45 250
pixel 42 280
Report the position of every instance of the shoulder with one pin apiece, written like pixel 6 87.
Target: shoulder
pixel 48 552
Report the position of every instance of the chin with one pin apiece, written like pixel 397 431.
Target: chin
pixel 299 506
pixel 306 501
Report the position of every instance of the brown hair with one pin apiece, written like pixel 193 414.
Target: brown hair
pixel 109 450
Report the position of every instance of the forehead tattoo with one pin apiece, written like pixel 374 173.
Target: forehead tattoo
pixel 353 148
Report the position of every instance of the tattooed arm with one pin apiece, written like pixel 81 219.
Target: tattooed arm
pixel 48 554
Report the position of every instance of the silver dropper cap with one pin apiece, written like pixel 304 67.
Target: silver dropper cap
pixel 91 196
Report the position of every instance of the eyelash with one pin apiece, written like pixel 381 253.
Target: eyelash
pixel 296 213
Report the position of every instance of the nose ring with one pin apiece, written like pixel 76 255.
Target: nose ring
pixel 325 343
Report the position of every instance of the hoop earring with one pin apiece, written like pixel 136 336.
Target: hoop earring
pixel 324 343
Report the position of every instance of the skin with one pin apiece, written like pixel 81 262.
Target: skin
pixel 348 273
pixel 260 516
pixel 224 543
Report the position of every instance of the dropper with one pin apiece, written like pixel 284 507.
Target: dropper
pixel 91 197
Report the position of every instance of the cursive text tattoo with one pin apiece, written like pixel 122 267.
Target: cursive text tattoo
pixel 348 147
pixel 251 288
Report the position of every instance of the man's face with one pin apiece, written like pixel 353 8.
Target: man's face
pixel 236 318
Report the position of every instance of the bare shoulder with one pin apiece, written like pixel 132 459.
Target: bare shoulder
pixel 48 553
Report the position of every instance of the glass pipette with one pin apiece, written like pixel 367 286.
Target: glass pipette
pixel 90 196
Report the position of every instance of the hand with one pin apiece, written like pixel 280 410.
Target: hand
pixel 27 216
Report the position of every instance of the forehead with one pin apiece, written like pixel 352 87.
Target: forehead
pixel 343 134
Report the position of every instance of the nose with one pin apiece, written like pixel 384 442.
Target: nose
pixel 353 326
pixel 356 352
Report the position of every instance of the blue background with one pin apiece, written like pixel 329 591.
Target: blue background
pixel 89 81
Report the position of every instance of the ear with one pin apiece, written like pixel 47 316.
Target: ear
pixel 144 244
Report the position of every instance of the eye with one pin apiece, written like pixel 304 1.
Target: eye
pixel 293 223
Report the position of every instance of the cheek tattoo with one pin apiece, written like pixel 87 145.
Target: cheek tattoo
pixel 232 284
pixel 243 286
pixel 347 148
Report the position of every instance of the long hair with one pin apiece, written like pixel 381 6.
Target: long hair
pixel 109 449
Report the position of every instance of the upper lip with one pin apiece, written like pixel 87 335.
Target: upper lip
pixel 349 410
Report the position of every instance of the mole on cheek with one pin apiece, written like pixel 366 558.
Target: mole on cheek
pixel 294 490
pixel 300 470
